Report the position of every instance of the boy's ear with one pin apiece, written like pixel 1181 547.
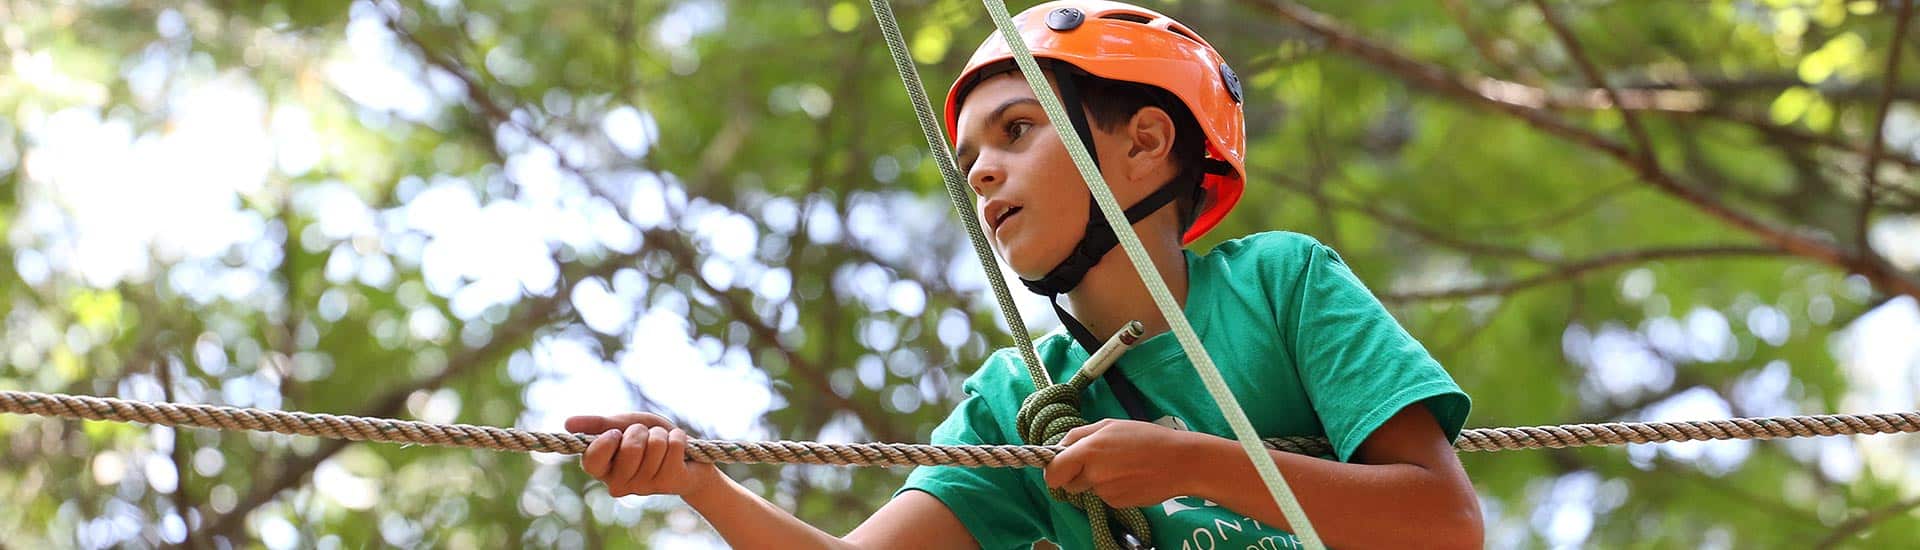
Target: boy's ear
pixel 1151 132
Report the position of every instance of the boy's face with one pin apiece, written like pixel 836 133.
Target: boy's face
pixel 1034 204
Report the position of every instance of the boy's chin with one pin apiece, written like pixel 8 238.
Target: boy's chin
pixel 1031 258
pixel 1030 268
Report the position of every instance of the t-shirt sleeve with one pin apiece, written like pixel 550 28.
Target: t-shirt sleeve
pixel 995 504
pixel 1358 364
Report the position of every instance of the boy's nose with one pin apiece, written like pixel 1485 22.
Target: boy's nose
pixel 985 177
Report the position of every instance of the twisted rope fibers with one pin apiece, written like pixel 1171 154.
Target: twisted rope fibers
pixel 360 428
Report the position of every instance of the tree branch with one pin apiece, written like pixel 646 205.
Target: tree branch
pixel 1581 60
pixel 1861 523
pixel 676 246
pixel 182 502
pixel 1789 140
pixel 1769 84
pixel 533 314
pixel 1880 126
pixel 1557 217
pixel 1404 224
pixel 1790 133
pixel 1439 81
pixel 1466 337
pixel 1491 54
pixel 1665 473
pixel 1575 269
pixel 1512 98
pixel 683 254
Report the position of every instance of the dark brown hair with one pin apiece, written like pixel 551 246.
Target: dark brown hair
pixel 1111 103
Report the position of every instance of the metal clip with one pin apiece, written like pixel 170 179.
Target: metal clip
pixel 1109 352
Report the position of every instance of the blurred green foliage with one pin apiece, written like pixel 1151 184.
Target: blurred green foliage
pixel 746 182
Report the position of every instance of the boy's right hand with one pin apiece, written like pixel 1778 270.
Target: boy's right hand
pixel 641 454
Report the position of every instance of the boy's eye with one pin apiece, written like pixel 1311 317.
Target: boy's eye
pixel 1018 128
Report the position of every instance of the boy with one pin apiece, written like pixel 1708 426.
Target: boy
pixel 1305 347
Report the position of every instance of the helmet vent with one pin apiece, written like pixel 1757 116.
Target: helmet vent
pixel 1134 17
pixel 1176 28
pixel 1182 31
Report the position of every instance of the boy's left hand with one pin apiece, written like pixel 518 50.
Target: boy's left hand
pixel 1127 463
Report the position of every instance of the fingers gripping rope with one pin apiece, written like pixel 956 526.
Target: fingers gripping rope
pixel 1046 416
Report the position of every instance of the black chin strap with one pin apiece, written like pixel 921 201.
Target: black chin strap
pixel 1099 237
pixel 1094 245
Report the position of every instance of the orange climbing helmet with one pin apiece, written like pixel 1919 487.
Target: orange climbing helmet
pixel 1128 43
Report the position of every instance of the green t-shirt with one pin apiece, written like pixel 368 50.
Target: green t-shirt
pixel 1305 347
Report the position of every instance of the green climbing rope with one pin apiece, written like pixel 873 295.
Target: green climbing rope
pixel 1047 414
pixel 957 191
pixel 1054 409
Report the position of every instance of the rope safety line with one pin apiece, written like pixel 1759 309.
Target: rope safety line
pixel 958 192
pixel 361 428
pixel 1210 377
pixel 1053 409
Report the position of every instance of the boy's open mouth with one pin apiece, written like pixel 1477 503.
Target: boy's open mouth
pixel 1002 218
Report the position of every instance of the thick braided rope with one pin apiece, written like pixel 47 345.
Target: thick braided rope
pixel 957 190
pixel 360 428
pixel 1621 433
pixel 1045 417
pixel 1162 297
